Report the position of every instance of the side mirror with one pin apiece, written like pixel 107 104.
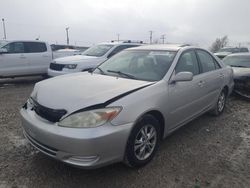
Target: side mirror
pixel 3 51
pixel 182 77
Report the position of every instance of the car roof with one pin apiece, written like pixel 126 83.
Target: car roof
pixel 120 43
pixel 239 54
pixel 170 47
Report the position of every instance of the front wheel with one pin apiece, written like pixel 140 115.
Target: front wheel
pixel 143 142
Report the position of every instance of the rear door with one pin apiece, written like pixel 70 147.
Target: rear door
pixel 39 57
pixel 212 77
pixel 185 98
pixel 14 62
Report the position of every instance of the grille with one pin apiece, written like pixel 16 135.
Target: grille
pixel 53 115
pixel 43 148
pixel 55 66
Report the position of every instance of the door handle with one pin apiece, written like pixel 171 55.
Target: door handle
pixel 221 75
pixel 201 83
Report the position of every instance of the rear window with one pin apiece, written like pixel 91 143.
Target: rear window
pixel 243 50
pixel 207 61
pixel 35 47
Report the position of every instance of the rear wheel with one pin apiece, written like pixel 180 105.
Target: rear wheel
pixel 143 142
pixel 221 103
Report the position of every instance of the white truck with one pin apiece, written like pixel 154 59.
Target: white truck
pixel 25 58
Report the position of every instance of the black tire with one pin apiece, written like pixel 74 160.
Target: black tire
pixel 131 158
pixel 218 109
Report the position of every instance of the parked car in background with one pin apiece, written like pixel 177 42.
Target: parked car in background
pixel 56 47
pixel 229 50
pixel 21 58
pixel 241 66
pixel 25 58
pixel 65 53
pixel 89 59
pixel 122 110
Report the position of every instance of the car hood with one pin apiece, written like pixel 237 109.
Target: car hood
pixel 75 59
pixel 222 53
pixel 239 71
pixel 80 90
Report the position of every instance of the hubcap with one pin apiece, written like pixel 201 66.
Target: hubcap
pixel 221 102
pixel 145 142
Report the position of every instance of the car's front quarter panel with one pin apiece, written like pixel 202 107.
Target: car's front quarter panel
pixel 135 105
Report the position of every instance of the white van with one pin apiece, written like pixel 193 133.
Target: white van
pixel 23 58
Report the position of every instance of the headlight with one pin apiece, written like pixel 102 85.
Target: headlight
pixel 90 119
pixel 70 66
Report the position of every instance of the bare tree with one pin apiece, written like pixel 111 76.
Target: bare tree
pixel 219 43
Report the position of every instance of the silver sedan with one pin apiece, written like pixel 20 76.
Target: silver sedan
pixel 121 110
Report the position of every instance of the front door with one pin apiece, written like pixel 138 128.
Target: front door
pixel 14 62
pixel 185 98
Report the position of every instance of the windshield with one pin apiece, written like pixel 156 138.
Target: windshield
pixel 145 65
pixel 238 61
pixel 3 43
pixel 98 50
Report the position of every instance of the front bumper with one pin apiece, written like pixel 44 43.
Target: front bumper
pixel 242 86
pixel 53 73
pixel 82 147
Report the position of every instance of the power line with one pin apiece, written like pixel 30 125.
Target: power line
pixel 150 36
pixel 4 30
pixel 163 37
pixel 67 33
pixel 118 37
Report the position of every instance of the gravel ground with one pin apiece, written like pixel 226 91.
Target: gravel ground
pixel 208 152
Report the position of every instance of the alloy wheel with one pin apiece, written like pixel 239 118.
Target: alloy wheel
pixel 145 142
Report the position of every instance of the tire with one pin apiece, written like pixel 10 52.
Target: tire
pixel 137 142
pixel 220 104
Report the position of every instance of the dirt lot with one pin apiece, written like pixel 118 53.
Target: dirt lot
pixel 208 152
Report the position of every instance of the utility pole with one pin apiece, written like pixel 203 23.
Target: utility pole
pixel 163 38
pixel 67 32
pixel 4 31
pixel 150 36
pixel 118 37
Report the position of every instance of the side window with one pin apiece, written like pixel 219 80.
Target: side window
pixel 188 63
pixel 120 48
pixel 217 66
pixel 243 50
pixel 35 47
pixel 206 60
pixel 14 47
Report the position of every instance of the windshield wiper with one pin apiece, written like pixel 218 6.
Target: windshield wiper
pixel 238 66
pixel 122 73
pixel 100 70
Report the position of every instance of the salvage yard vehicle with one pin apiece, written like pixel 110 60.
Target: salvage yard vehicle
pixel 23 58
pixel 241 66
pixel 89 59
pixel 122 110
pixel 65 52
pixel 223 52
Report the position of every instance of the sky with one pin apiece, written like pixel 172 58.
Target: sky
pixel 197 22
